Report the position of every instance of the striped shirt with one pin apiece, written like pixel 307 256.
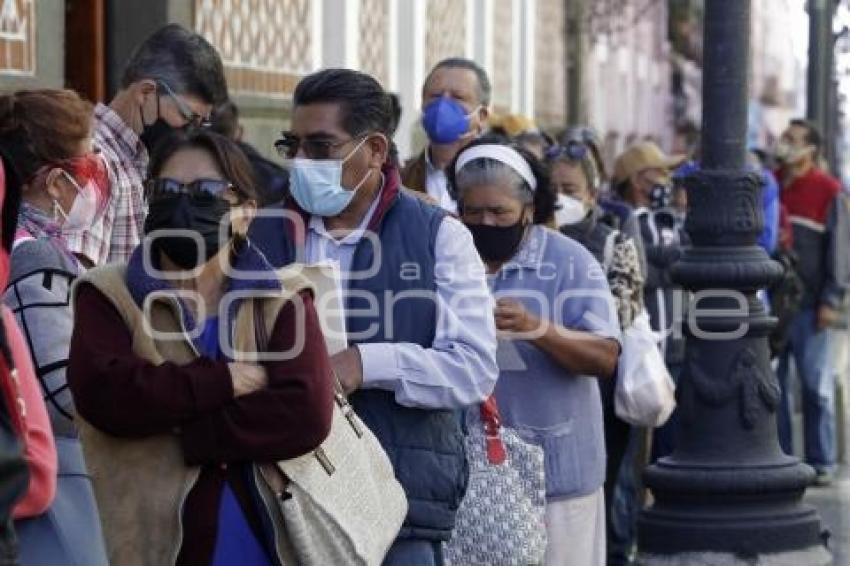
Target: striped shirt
pixel 117 230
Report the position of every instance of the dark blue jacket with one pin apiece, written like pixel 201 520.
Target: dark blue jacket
pixel 425 446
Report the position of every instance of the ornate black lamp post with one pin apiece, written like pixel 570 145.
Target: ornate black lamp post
pixel 727 494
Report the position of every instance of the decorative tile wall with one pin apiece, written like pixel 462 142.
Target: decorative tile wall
pixel 266 45
pixel 445 33
pixel 17 37
pixel 374 35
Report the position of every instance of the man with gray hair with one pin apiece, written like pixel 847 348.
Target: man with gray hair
pixel 455 110
pixel 171 82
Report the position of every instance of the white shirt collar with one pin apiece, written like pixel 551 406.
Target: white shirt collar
pixel 429 165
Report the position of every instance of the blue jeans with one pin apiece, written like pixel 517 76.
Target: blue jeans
pixel 414 552
pixel 811 350
pixel 625 505
pixel 664 437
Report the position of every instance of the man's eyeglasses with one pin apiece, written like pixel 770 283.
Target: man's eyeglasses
pixel 201 191
pixel 288 145
pixel 193 119
pixel 573 149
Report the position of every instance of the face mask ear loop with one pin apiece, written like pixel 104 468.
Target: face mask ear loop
pixel 469 133
pixel 73 182
pixel 350 153
pixel 158 112
pixel 57 209
pixel 368 172
pixel 57 212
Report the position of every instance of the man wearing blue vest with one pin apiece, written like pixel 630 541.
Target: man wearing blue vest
pixel 418 311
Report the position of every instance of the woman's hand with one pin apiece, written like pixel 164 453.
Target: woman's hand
pixel 577 351
pixel 511 316
pixel 247 378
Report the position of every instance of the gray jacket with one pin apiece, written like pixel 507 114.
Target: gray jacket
pixel 823 254
pixel 38 293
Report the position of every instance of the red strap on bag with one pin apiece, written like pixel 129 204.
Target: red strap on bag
pixel 496 453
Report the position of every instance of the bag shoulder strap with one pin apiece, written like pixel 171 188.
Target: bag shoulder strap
pixel 492 421
pixel 261 337
pixel 608 251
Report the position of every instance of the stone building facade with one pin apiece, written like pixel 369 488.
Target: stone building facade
pixel 631 85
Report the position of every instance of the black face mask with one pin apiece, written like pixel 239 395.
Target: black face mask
pixel 660 196
pixel 497 243
pixel 152 134
pixel 182 213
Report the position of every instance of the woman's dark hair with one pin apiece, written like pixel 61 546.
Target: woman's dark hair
pixel 366 106
pixel 225 120
pixel 231 161
pixel 543 197
pixel 37 128
pixel 11 203
pixel 41 127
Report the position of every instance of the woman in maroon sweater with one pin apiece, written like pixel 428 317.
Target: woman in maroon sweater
pixel 226 415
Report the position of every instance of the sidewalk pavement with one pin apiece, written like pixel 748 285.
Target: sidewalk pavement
pixel 833 504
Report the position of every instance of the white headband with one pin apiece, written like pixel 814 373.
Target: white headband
pixel 503 154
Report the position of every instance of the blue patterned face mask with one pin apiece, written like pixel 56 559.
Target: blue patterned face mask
pixel 445 120
pixel 316 186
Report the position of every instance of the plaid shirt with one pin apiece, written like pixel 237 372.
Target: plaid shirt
pixel 117 230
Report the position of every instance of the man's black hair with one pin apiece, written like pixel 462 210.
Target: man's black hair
pixel 225 120
pixel 485 90
pixel 366 106
pixel 182 59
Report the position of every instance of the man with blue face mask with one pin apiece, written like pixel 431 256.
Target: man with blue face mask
pixel 421 334
pixel 455 109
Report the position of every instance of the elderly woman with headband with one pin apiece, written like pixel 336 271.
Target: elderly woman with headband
pixel 557 316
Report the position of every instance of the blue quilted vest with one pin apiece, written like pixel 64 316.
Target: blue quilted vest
pixel 425 446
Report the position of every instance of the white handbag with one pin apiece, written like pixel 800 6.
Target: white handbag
pixel 645 392
pixel 341 503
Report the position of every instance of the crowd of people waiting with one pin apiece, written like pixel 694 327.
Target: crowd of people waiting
pixel 515 261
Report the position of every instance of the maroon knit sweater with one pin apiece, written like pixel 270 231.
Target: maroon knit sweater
pixel 124 395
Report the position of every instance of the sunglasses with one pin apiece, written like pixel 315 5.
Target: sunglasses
pixel 202 191
pixel 573 149
pixel 289 145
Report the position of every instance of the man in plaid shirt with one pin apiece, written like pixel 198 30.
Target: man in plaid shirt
pixel 172 82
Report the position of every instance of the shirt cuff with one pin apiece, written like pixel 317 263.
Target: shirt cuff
pixel 379 364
